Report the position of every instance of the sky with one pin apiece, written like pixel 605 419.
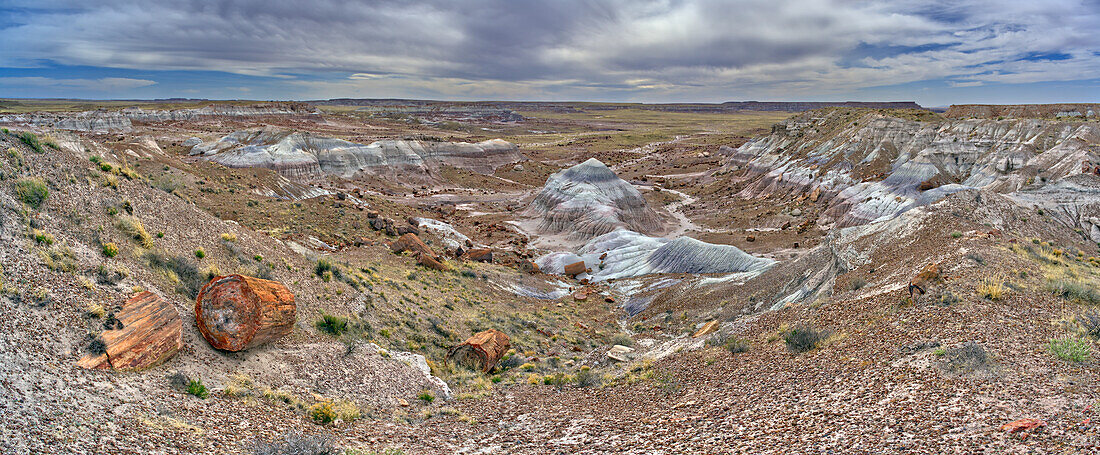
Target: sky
pixel 933 52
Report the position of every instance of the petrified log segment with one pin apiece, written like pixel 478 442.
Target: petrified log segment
pixel 151 333
pixel 482 350
pixel 426 260
pixel 411 243
pixel 236 312
pixel 480 255
pixel 575 268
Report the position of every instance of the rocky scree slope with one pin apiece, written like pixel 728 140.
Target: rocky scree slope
pixel 303 155
pixel 54 268
pixel 869 165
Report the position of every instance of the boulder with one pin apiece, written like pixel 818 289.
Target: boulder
pixel 149 331
pixel 402 230
pixel 481 351
pixel 237 312
pixel 528 266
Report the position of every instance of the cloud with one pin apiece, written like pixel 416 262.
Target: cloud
pixel 621 49
pixel 105 84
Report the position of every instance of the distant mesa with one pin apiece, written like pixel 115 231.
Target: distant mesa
pixel 303 155
pixel 1089 111
pixel 588 200
pixel 102 120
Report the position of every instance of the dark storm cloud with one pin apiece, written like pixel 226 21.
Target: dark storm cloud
pixel 503 48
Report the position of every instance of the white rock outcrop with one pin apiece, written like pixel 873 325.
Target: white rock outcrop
pixel 869 166
pixel 588 200
pixel 302 155
pixel 624 254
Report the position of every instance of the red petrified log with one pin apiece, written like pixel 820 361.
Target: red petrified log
pixel 151 333
pixel 237 312
pixel 575 268
pixel 482 350
pixel 410 243
pixel 480 255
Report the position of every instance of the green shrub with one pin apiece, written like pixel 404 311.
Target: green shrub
pixel 110 249
pixel 32 141
pixel 200 253
pixel 332 324
pixel 323 265
pixel 956 234
pixel 426 396
pixel 43 237
pixel 803 339
pixel 195 387
pixel 586 378
pixel 95 159
pixel 32 191
pixel 1072 349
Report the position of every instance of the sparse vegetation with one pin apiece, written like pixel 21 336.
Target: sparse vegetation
pixel 58 258
pixel 426 396
pixel 332 324
pixel 1090 324
pixel 1071 349
pixel 95 310
pixel 132 227
pixel 179 270
pixel 804 338
pixel 110 249
pixel 993 288
pixel 32 191
pixel 322 266
pixel 42 237
pixel 195 387
pixel 1076 290
pixel 858 283
pixel 966 358
pixel 31 140
pixel 956 234
pixel 229 237
pixel 200 253
pixel 622 339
